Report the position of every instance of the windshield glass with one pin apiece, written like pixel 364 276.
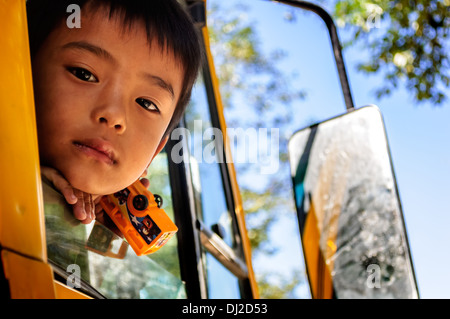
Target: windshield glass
pixel 104 260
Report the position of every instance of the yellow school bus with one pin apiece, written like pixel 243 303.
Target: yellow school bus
pixel 49 255
pixel 209 247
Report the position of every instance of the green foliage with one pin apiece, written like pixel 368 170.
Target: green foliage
pixel 407 41
pixel 262 208
pixel 279 287
pixel 242 68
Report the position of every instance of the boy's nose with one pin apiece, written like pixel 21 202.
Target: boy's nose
pixel 111 106
pixel 118 126
pixel 113 117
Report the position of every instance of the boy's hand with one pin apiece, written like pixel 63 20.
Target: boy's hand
pixel 82 203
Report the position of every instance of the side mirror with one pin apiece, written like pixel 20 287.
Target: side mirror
pixel 350 217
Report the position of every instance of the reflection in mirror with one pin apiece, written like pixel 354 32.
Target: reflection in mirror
pixel 351 223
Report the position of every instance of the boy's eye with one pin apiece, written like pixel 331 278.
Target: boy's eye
pixel 83 74
pixel 146 104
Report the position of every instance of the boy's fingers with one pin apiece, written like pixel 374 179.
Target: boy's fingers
pixel 83 210
pixel 98 208
pixel 60 183
pixel 79 211
pixel 88 208
pixel 82 203
pixel 68 194
pixel 145 182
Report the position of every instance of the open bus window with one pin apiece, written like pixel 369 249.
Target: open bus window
pixel 105 263
pixel 210 198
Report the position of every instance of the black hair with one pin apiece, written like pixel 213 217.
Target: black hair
pixel 166 21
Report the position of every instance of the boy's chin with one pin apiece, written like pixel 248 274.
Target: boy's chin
pixel 95 185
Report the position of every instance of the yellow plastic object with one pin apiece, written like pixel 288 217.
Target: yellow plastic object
pixel 137 215
pixel 28 278
pixel 64 292
pixel 21 206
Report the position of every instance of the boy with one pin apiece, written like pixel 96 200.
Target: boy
pixel 109 93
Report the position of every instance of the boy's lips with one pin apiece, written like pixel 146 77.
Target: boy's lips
pixel 97 148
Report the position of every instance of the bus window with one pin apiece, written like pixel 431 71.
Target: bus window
pixel 205 143
pixel 204 160
pixel 102 260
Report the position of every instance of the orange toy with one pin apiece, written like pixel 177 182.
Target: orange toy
pixel 138 216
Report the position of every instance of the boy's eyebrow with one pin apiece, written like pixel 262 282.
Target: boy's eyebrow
pixel 160 82
pixel 83 45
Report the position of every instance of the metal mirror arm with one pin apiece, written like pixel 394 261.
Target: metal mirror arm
pixel 334 42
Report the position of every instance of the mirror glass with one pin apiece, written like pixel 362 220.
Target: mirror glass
pixel 353 234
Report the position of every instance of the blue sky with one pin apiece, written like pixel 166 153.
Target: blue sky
pixel 418 136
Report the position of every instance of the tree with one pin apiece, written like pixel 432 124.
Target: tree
pixel 407 41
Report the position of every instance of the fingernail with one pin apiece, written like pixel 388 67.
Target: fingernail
pixel 80 214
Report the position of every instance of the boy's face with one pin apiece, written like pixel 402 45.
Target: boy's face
pixel 104 99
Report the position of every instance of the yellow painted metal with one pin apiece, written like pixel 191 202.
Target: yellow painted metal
pixel 319 273
pixel 27 278
pixel 22 232
pixel 234 184
pixel 321 226
pixel 21 206
pixel 65 292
